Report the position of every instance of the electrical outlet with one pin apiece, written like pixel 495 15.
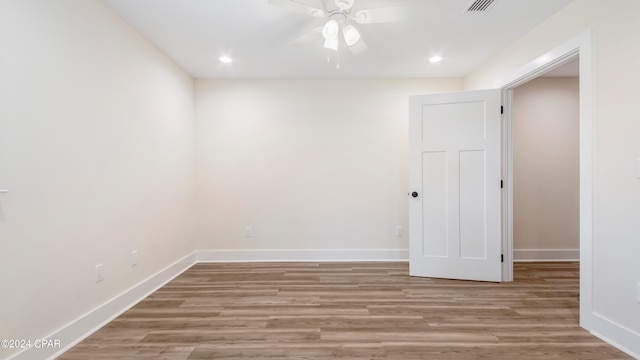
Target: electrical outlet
pixel 134 258
pixel 399 231
pixel 638 295
pixel 248 231
pixel 99 272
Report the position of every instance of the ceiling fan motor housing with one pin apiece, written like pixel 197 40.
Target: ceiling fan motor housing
pixel 344 4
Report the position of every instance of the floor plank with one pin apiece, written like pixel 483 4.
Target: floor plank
pixel 351 311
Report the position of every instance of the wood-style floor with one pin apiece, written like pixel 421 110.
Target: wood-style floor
pixel 351 311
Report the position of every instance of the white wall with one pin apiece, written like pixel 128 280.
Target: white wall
pixel 308 164
pixel 546 176
pixel 96 148
pixel 616 48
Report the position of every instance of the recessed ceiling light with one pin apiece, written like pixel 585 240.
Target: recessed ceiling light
pixel 225 59
pixel 435 59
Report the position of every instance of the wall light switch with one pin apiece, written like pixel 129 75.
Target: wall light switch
pixel 399 231
pixel 99 272
pixel 134 258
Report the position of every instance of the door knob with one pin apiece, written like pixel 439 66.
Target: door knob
pixel 414 194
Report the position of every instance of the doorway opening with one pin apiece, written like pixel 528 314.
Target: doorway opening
pixel 546 157
pixel 574 49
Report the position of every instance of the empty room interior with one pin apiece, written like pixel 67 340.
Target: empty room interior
pixel 310 179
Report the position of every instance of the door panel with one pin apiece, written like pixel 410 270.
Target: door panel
pixel 473 242
pixel 434 211
pixel 454 146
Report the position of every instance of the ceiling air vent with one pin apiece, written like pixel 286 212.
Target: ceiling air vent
pixel 479 5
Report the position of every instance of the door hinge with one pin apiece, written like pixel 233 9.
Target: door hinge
pixel 501 258
pixel 501 109
pixel 501 184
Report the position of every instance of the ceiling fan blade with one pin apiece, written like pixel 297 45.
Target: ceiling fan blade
pixel 308 36
pixel 295 6
pixel 381 15
pixel 358 47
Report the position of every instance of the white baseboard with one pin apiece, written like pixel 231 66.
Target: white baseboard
pixel 85 325
pixel 609 331
pixel 303 255
pixel 524 255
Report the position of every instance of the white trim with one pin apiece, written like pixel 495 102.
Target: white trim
pixel 523 255
pixel 507 190
pixel 578 46
pixel 587 179
pixel 617 335
pixel 87 324
pixel 551 60
pixel 303 255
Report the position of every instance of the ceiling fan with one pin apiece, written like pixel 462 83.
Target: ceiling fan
pixel 340 18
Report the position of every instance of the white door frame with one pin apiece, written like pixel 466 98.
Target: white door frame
pixel 578 46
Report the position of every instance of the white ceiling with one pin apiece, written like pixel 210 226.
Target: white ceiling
pixel 194 33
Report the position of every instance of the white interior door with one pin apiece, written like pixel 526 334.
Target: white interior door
pixel 454 178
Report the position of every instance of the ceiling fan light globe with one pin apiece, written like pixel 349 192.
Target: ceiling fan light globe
pixel 331 44
pixel 351 35
pixel 330 30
